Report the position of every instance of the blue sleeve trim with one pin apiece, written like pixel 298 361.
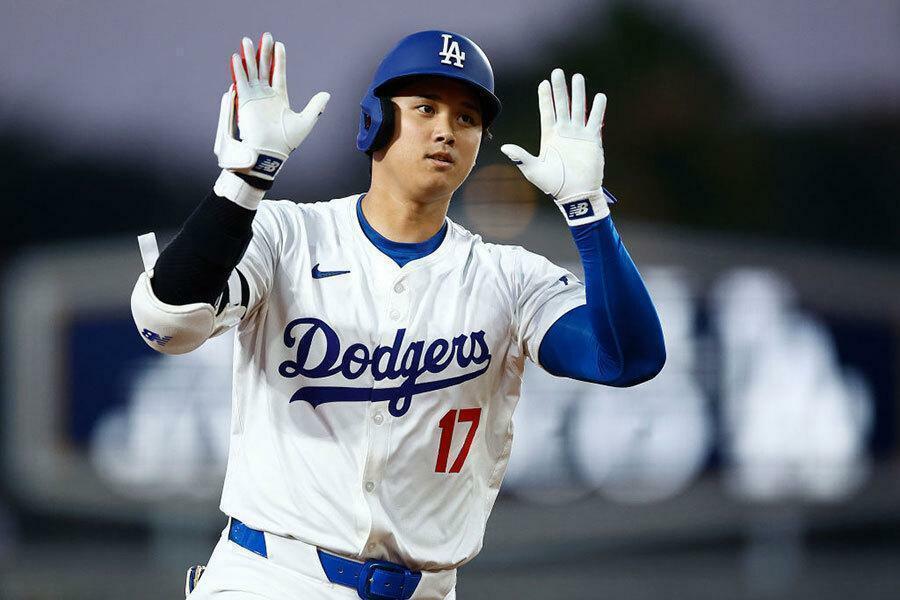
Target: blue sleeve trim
pixel 616 338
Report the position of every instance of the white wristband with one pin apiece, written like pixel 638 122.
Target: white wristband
pixel 230 186
pixel 580 209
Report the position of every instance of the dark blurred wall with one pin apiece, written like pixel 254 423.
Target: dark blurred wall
pixel 683 148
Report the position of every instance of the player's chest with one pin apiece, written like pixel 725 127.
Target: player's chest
pixel 366 301
pixel 351 323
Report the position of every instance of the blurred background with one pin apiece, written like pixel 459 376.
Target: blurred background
pixel 755 150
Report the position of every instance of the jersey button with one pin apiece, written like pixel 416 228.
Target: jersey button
pixel 378 418
pixel 395 315
pixel 370 486
pixel 399 288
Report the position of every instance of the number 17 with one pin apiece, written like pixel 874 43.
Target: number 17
pixel 447 424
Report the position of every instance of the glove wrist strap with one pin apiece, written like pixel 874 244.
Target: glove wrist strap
pixel 232 187
pixel 260 184
pixel 587 207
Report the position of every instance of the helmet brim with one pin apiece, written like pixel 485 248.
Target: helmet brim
pixel 490 104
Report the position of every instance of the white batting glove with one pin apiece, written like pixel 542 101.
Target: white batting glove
pixel 269 129
pixel 570 164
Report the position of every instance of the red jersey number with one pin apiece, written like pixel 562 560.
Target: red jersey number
pixel 447 425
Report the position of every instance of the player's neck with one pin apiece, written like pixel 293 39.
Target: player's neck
pixel 403 219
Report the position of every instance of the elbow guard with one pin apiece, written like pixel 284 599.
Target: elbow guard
pixel 172 329
pixel 168 328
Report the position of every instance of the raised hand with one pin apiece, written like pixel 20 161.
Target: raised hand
pixel 257 106
pixel 570 164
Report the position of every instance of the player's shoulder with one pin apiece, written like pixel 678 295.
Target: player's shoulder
pixel 508 262
pixel 492 251
pixel 322 207
pixel 287 213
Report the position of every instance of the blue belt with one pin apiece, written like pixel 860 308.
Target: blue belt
pixel 372 580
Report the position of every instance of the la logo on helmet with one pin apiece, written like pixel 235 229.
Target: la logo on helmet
pixel 451 51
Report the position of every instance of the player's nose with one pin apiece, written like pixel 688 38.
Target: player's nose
pixel 444 136
pixel 443 131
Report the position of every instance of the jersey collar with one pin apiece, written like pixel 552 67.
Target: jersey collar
pixel 378 255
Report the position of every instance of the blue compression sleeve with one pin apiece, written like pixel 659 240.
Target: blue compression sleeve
pixel 615 339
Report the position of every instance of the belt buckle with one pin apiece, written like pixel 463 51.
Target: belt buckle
pixel 364 583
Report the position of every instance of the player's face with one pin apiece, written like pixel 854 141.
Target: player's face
pixel 436 138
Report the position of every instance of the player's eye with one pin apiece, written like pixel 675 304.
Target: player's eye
pixel 468 119
pixel 428 109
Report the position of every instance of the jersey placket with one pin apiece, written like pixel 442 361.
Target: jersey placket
pixel 394 316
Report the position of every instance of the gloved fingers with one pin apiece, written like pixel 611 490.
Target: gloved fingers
pixel 226 114
pixel 545 105
pixel 279 72
pixel 232 153
pixel 579 114
pixel 239 77
pixel 298 125
pixel 249 59
pixel 264 58
pixel 598 109
pixel 560 95
pixel 517 154
pixel 316 105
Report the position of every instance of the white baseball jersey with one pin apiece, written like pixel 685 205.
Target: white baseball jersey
pixel 372 408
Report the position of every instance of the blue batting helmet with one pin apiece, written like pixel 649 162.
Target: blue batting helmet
pixel 433 52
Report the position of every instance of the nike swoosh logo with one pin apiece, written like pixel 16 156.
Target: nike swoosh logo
pixel 317 274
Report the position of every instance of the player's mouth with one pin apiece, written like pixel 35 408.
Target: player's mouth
pixel 442 160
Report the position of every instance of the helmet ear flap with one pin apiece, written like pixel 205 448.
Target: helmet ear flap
pixel 376 123
pixel 386 128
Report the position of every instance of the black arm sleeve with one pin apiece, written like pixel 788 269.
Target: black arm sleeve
pixel 195 266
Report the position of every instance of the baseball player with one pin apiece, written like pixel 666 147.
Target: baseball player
pixel 380 346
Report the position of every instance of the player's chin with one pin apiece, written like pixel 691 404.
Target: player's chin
pixel 433 186
pixel 455 171
pixel 438 175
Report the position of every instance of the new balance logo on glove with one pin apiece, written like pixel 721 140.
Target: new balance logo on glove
pixel 267 164
pixel 578 209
